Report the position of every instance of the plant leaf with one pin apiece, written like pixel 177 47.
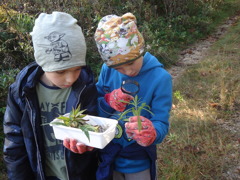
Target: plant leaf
pixel 139 124
pixel 44 124
pixel 58 123
pixel 80 115
pixel 63 118
pixel 124 113
pixel 136 110
pixel 85 130
pixel 148 111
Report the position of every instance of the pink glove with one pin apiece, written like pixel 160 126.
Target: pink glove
pixel 75 146
pixel 114 99
pixel 146 135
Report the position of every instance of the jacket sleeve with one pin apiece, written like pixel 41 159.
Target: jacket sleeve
pixel 15 155
pixel 161 106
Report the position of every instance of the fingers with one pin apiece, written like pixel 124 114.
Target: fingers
pixel 89 148
pixel 66 143
pixel 135 118
pixel 146 135
pixel 120 106
pixel 118 100
pixel 127 97
pixel 119 95
pixel 136 132
pixel 81 148
pixel 76 147
pixel 143 137
pixel 73 147
pixel 134 125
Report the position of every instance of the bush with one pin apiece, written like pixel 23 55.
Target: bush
pixel 15 50
pixel 167 26
pixel 6 78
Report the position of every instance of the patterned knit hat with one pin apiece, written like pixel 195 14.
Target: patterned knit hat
pixel 58 42
pixel 118 39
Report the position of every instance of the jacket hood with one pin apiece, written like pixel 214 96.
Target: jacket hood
pixel 150 62
pixel 27 78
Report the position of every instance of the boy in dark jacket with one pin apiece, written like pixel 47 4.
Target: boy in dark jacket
pixel 58 81
pixel 132 153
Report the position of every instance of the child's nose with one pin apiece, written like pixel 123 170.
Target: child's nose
pixel 70 78
pixel 128 72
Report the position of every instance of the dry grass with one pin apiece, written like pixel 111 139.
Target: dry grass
pixel 197 147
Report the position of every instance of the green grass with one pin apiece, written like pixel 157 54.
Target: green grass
pixel 197 146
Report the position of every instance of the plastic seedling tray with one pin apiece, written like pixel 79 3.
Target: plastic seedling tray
pixel 97 139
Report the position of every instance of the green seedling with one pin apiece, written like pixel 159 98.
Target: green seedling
pixel 75 120
pixel 136 109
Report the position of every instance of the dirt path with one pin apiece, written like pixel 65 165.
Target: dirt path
pixel 194 55
pixel 198 51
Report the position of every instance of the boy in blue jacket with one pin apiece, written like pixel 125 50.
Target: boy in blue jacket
pixel 58 81
pixel 132 153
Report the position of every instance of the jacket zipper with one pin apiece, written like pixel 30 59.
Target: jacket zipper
pixel 80 94
pixel 38 156
pixel 65 148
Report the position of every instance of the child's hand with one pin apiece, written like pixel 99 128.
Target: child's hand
pixel 115 97
pixel 75 146
pixel 146 135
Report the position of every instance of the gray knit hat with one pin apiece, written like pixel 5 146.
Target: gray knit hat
pixel 58 42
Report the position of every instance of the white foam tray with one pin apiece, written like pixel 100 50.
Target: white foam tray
pixel 97 140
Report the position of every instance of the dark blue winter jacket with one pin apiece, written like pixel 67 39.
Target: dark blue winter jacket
pixel 23 146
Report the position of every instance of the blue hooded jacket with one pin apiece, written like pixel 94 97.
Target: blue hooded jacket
pixel 23 146
pixel 155 90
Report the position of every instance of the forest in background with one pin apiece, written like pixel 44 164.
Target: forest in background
pixel 167 26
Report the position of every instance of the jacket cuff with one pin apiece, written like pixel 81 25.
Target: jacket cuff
pixel 104 109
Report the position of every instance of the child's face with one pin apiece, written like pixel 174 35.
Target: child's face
pixel 131 69
pixel 63 78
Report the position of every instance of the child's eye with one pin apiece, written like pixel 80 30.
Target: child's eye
pixel 78 69
pixel 60 72
pixel 131 63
